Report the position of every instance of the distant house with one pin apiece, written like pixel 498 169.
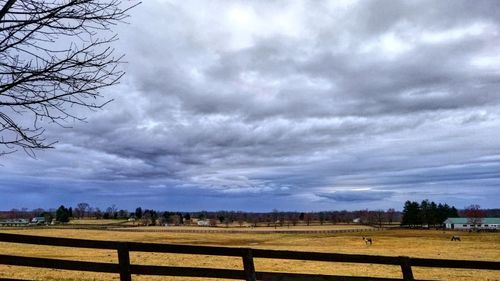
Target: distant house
pixel 38 220
pixel 356 220
pixel 464 224
pixel 203 223
pixel 14 222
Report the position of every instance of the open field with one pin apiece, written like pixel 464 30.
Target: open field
pixel 414 243
pixel 262 228
pixel 96 222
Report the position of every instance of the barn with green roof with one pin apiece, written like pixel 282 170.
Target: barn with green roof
pixel 465 224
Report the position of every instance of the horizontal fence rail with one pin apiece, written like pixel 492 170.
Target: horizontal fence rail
pixel 222 230
pixel 126 269
pixel 123 228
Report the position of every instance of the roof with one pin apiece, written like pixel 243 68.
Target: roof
pixel 465 221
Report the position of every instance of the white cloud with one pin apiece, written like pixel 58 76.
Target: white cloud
pixel 458 33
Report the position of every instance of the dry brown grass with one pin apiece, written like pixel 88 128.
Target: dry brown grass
pixel 95 221
pixel 414 243
pixel 248 228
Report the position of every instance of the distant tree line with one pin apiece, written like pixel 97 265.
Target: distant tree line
pixel 427 213
pixel 414 214
pixel 274 218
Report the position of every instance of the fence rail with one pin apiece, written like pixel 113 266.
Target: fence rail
pixel 197 229
pixel 126 269
pixel 247 231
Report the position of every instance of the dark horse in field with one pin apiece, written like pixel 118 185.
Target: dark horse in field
pixel 455 238
pixel 367 240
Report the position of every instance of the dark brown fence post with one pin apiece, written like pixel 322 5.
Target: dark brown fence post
pixel 248 265
pixel 406 268
pixel 124 261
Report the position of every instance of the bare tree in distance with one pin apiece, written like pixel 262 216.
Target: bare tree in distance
pixel 308 218
pixel 55 57
pixel 474 215
pixel 81 209
pixel 391 213
pixel 379 216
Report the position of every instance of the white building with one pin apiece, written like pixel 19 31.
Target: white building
pixel 203 223
pixel 38 220
pixel 464 224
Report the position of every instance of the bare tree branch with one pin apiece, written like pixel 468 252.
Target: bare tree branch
pixel 54 55
pixel 6 7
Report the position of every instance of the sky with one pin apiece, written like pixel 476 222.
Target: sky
pixel 288 105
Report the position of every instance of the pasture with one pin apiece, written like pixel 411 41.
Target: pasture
pixel 414 243
pixel 96 222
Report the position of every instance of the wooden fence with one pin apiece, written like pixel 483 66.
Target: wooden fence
pixel 195 229
pixel 246 231
pixel 125 269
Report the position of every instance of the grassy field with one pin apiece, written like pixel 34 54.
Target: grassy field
pixel 96 222
pixel 414 243
pixel 261 228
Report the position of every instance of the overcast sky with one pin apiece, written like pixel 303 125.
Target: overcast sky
pixel 293 105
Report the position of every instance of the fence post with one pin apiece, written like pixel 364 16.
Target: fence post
pixel 248 265
pixel 406 268
pixel 124 262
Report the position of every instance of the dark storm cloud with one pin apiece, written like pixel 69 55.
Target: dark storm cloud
pixel 356 196
pixel 296 104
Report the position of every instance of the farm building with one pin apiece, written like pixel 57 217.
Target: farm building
pixel 38 220
pixel 203 223
pixel 464 224
pixel 14 222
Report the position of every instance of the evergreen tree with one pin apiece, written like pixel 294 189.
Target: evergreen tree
pixel 453 212
pixel 428 213
pixel 221 218
pixel 433 214
pixel 411 214
pixel 62 214
pixel 424 212
pixel 444 212
pixel 138 212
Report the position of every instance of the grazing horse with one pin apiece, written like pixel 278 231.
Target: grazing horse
pixel 455 238
pixel 368 240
